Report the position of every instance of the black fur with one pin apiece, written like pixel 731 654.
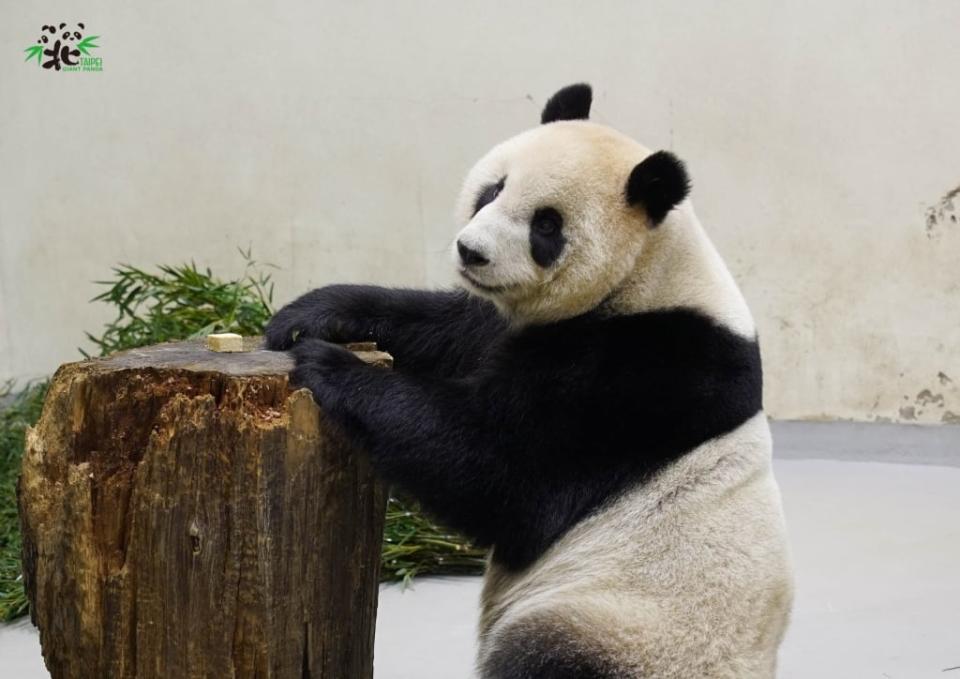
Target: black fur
pixel 489 194
pixel 546 236
pixel 570 103
pixel 446 334
pixel 539 648
pixel 657 184
pixel 513 436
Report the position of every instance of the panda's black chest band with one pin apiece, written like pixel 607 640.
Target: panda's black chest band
pixel 614 400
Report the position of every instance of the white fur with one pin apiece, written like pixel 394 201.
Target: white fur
pixel 679 266
pixel 684 577
pixel 503 239
pixel 580 169
pixel 612 253
pixel 687 575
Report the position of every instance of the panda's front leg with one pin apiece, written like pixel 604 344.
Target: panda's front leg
pixel 389 410
pixel 336 313
pixel 425 434
pixel 428 332
pixel 326 370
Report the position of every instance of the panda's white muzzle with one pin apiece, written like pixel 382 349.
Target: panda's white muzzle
pixel 492 252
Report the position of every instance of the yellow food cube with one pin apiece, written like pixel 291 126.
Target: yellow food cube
pixel 227 342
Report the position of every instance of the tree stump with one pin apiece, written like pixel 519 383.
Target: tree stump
pixel 186 513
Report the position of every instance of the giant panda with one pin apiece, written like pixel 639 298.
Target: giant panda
pixel 588 405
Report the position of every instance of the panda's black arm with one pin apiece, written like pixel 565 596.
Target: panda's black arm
pixel 442 333
pixel 473 463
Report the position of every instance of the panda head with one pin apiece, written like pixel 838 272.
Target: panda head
pixel 554 219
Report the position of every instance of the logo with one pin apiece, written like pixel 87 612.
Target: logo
pixel 63 48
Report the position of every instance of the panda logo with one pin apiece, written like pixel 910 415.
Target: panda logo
pixel 61 46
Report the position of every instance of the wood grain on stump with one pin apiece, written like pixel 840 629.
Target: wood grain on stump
pixel 187 514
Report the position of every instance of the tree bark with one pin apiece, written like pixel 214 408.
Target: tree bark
pixel 186 513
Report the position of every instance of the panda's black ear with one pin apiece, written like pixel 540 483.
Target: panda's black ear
pixel 570 103
pixel 657 184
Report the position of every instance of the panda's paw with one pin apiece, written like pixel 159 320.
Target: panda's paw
pixel 293 324
pixel 312 377
pixel 319 367
pixel 323 314
pixel 324 355
pixel 286 327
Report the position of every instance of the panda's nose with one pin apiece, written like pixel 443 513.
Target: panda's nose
pixel 470 257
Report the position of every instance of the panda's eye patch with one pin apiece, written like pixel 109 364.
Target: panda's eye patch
pixel 488 195
pixel 546 221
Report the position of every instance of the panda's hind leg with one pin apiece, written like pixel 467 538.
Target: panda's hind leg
pixel 545 647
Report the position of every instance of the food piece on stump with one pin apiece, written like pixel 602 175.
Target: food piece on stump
pixel 227 342
pixel 185 513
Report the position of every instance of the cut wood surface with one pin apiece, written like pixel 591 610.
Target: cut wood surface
pixel 186 513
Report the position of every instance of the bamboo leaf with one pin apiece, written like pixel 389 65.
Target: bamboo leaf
pixel 34 52
pixel 87 43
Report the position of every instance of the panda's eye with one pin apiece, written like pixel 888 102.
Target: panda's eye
pixel 546 221
pixel 488 195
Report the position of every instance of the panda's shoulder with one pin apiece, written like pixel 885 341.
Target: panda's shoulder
pixel 649 338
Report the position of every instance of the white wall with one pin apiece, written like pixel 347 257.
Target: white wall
pixel 332 137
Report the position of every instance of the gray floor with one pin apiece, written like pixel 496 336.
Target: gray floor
pixel 876 547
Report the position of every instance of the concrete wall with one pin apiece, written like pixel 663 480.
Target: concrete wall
pixel 823 138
